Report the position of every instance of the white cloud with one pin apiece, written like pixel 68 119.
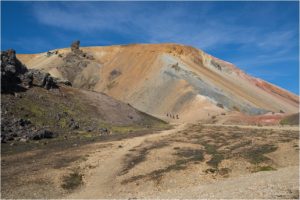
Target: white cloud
pixel 252 38
pixel 173 24
pixel 204 29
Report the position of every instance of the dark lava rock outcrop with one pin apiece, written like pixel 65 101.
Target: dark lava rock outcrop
pixel 75 61
pixel 75 46
pixel 11 70
pixel 35 105
pixel 15 77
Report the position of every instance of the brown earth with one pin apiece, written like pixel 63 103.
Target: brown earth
pixel 189 161
pixel 91 110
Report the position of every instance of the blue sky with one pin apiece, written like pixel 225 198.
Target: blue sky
pixel 262 38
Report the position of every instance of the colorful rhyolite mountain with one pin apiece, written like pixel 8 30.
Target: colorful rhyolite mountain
pixel 162 79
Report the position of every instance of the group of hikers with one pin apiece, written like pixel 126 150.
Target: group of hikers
pixel 173 116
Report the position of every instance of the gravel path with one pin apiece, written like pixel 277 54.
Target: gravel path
pixel 102 181
pixel 280 184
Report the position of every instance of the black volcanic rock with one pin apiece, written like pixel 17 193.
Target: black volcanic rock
pixel 75 45
pixel 42 134
pixel 16 77
pixel 11 70
pixel 8 58
pixel 74 62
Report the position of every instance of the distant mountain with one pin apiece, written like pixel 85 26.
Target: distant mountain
pixel 164 79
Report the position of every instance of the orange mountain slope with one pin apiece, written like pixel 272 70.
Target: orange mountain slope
pixel 162 79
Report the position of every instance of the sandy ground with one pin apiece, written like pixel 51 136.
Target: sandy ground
pixel 105 181
pixel 262 185
pixel 101 181
pixel 188 161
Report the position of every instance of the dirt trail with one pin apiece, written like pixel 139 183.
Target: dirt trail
pixel 101 182
pixel 104 181
pixel 295 128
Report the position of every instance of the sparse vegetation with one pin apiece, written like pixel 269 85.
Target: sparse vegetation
pixel 186 156
pixel 72 181
pixel 156 175
pixel 199 145
pixel 290 120
pixel 219 143
pixel 61 112
pixel 190 154
pixel 224 171
pixel 263 168
pixel 240 144
pixel 215 160
pixel 255 154
pixel 139 156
